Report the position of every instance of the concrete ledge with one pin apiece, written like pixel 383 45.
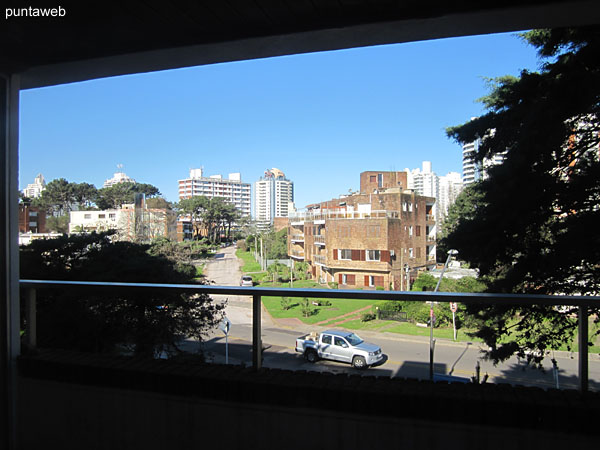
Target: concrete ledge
pixel 484 405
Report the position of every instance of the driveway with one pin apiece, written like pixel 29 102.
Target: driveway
pixel 224 270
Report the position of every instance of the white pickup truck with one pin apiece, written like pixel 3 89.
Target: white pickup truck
pixel 341 346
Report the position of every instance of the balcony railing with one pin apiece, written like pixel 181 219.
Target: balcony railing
pixel 582 302
pixel 297 237
pixel 322 215
pixel 297 254
pixel 429 217
pixel 319 240
pixel 320 259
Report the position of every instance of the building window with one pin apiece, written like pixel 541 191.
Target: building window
pixel 112 216
pixel 379 180
pixel 372 179
pixel 373 230
pixel 32 213
pixel 409 207
pixel 345 254
pixel 101 216
pixel 344 278
pixel 410 230
pixel 87 216
pixel 411 253
pixel 373 255
pixel 418 230
pixel 404 206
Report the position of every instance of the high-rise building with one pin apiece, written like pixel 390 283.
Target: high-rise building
pixel 118 177
pixel 444 189
pixel 273 196
pixel 474 170
pixel 450 185
pixel 35 189
pixel 231 189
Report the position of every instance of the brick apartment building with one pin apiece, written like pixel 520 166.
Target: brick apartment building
pixel 379 237
pixel 31 219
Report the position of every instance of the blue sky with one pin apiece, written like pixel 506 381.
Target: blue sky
pixel 322 118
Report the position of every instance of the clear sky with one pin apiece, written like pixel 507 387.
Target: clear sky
pixel 322 118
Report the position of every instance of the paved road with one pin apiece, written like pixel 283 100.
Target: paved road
pixel 407 356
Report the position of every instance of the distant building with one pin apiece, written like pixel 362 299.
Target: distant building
pixel 133 222
pixel 273 197
pixel 380 237
pixel 444 189
pixel 474 170
pixel 231 189
pixel 118 177
pixel 35 189
pixel 31 219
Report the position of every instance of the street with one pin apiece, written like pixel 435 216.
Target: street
pixel 407 356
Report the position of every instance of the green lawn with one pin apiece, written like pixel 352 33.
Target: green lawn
pixel 338 307
pixel 249 263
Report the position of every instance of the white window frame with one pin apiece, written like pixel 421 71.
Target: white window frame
pixel 411 253
pixel 344 279
pixel 371 281
pixel 410 230
pixel 341 253
pixel 376 255
pixel 87 217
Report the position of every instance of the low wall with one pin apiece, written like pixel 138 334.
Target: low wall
pixel 97 403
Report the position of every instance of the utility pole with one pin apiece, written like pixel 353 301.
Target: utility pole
pixel 431 316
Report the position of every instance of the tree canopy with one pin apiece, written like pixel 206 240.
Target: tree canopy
pixel 144 322
pixel 532 228
pixel 210 217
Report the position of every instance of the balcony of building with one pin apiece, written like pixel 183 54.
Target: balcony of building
pixel 319 240
pixel 297 238
pixel 297 254
pixel 100 401
pixel 320 260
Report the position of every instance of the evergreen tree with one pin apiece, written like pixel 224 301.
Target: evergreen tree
pixel 533 227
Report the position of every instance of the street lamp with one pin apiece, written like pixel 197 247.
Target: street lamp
pixel 451 253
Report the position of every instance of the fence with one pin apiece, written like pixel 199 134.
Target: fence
pixel 582 302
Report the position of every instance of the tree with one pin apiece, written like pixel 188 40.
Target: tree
pixel 84 194
pixel 121 193
pixel 145 322
pixel 57 199
pixel 532 230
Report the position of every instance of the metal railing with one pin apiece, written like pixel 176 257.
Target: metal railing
pixel 319 239
pixel 297 237
pixel 337 214
pixel 320 259
pixel 582 302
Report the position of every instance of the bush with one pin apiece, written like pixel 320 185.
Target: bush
pixel 286 303
pixel 333 284
pixel 380 288
pixel 367 316
pixel 307 309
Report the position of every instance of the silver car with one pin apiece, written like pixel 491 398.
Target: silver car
pixel 246 281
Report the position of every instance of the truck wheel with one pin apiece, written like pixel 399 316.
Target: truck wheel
pixel 358 362
pixel 311 356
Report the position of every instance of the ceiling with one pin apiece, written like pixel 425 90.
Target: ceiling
pixel 93 39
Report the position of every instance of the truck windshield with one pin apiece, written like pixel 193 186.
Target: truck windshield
pixel 353 339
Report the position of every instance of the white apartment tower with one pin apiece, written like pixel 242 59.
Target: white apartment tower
pixel 444 189
pixel 35 189
pixel 273 194
pixel 231 189
pixel 118 177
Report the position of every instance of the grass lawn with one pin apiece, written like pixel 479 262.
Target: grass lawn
pixel 249 263
pixel 338 307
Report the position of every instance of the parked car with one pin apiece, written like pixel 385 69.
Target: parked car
pixel 341 346
pixel 246 281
